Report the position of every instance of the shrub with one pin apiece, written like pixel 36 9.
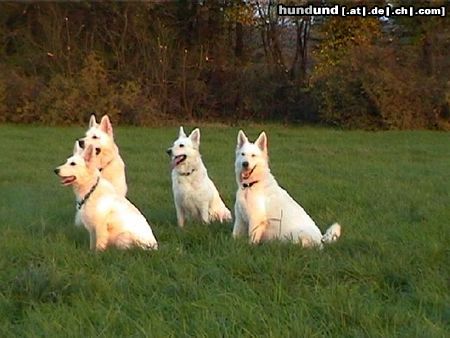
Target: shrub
pixel 68 100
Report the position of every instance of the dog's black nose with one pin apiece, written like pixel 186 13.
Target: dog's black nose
pixel 81 143
pixel 245 164
pixel 169 151
pixel 56 171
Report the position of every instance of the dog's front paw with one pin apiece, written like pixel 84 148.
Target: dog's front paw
pixel 236 234
pixel 254 241
pixel 100 246
pixel 257 232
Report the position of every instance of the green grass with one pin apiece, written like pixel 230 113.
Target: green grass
pixel 388 276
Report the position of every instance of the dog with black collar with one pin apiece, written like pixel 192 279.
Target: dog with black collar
pixel 265 211
pixel 195 195
pixel 110 163
pixel 109 217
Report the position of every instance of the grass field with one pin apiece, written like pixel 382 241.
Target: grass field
pixel 388 276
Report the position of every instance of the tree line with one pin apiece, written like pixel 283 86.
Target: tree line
pixel 153 62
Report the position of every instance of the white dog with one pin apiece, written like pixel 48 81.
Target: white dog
pixel 109 217
pixel 194 193
pixel 263 209
pixel 109 162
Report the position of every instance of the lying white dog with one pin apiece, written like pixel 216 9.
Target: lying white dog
pixel 194 193
pixel 109 217
pixel 264 210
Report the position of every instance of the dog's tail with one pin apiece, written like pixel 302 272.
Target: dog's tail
pixel 332 234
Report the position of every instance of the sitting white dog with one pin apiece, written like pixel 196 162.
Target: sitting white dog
pixel 101 137
pixel 263 209
pixel 194 193
pixel 108 159
pixel 109 217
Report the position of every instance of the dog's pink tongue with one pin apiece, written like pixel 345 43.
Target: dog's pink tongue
pixel 245 175
pixel 173 163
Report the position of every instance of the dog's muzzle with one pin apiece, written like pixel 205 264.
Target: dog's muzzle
pixel 245 174
pixel 179 159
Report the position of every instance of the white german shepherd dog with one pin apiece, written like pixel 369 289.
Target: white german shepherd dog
pixel 110 164
pixel 109 217
pixel 194 193
pixel 264 210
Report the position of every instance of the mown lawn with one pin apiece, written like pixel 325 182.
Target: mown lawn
pixel 388 276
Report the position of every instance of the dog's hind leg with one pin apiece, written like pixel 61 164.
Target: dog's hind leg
pixel 223 214
pixel 219 210
pixel 124 240
pixel 307 241
pixel 205 213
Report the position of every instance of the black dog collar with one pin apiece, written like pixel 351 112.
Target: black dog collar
pixel 85 198
pixel 187 173
pixel 107 164
pixel 249 185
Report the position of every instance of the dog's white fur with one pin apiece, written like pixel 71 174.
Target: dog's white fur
pixel 195 194
pixel 109 217
pixel 263 209
pixel 101 137
pixel 109 162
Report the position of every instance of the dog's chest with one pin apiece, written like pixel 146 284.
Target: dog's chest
pixel 191 193
pixel 88 217
pixel 94 212
pixel 188 185
pixel 251 202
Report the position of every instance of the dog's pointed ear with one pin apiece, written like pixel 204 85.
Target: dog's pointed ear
pixel 181 133
pixel 261 142
pixel 106 126
pixel 92 121
pixel 89 155
pixel 195 136
pixel 241 139
pixel 77 150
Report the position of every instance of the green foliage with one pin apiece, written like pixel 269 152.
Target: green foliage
pixel 364 79
pixel 386 277
pixel 240 12
pixel 335 83
pixel 149 62
pixel 397 94
pixel 72 99
pixel 3 98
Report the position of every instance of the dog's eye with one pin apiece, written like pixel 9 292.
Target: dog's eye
pixel 181 145
pixel 243 154
pixel 253 155
pixel 95 137
pixel 72 163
